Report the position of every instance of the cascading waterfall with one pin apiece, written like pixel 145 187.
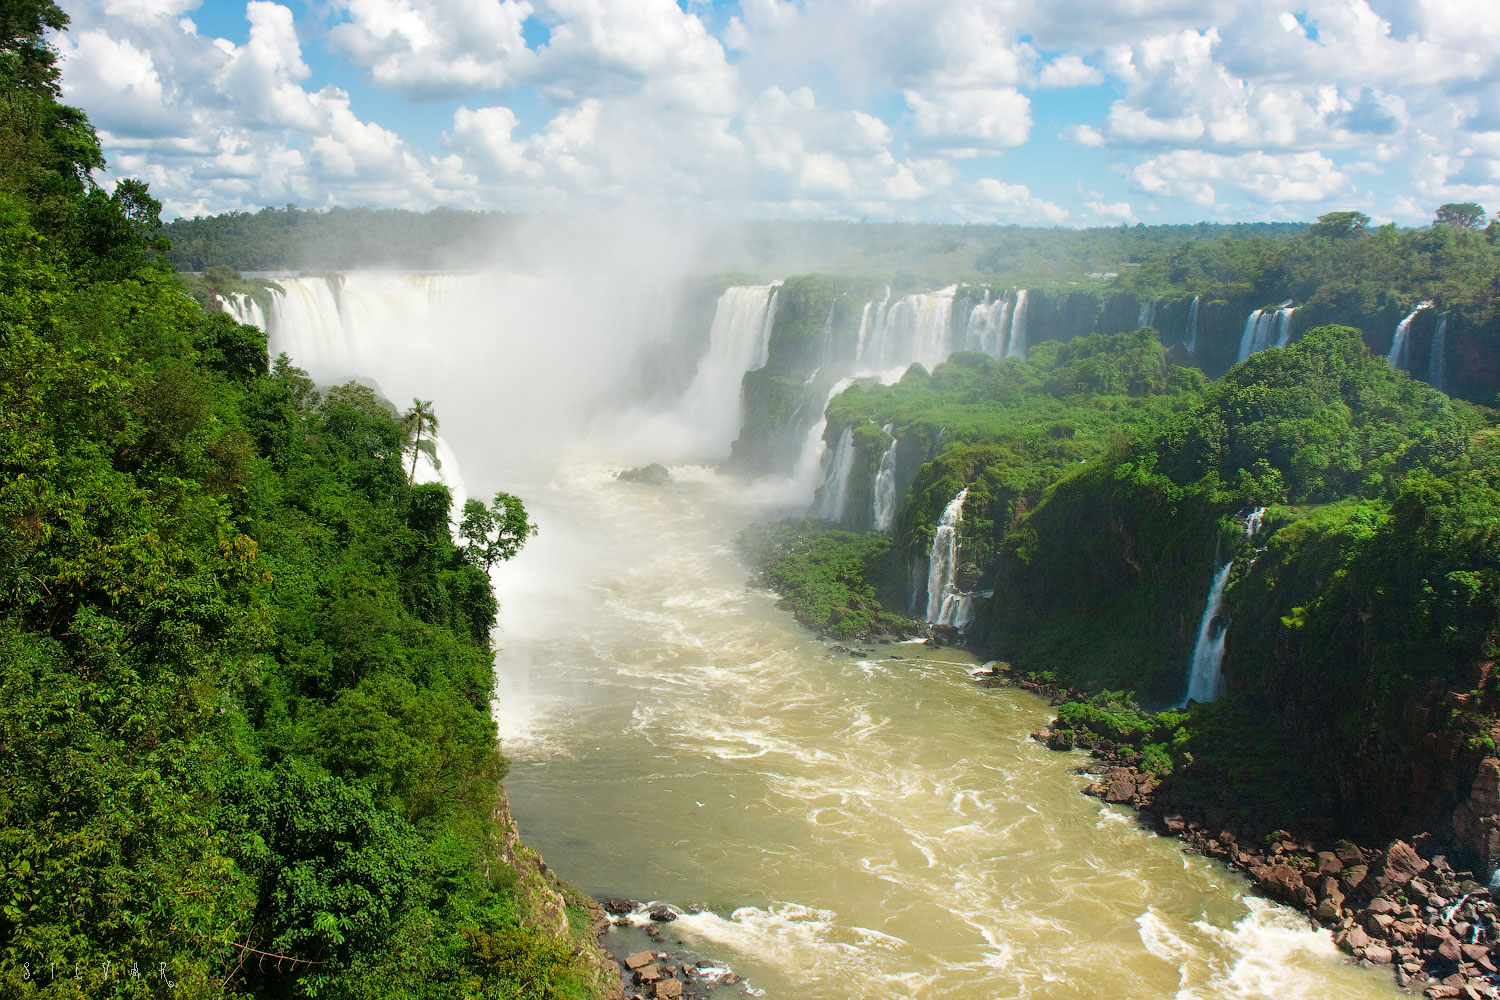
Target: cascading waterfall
pixel 946 605
pixel 885 486
pixel 1264 328
pixel 738 341
pixel 1437 357
pixel 917 327
pixel 1397 355
pixel 1017 345
pixel 835 492
pixel 1191 343
pixel 243 308
pixel 1205 680
pixel 1147 315
pixel 812 459
pixel 989 326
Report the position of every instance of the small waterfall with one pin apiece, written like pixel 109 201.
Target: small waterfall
pixel 243 308
pixel 1204 680
pixel 885 486
pixel 835 492
pixel 1263 329
pixel 1017 346
pixel 1147 315
pixel 1397 355
pixel 1437 357
pixel 1191 343
pixel 1253 521
pixel 942 566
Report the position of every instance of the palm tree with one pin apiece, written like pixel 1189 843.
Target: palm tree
pixel 418 419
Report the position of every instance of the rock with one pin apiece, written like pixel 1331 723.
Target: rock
pixel 663 914
pixel 1351 878
pixel 1450 949
pixel 618 906
pixel 1441 992
pixel 647 974
pixel 1474 952
pixel 1329 863
pixel 1060 739
pixel 1377 925
pixel 1282 883
pixel 1353 940
pixel 1174 824
pixel 654 474
pixel 1122 785
pixel 1346 852
pixel 1379 955
pixel 639 959
pixel 667 989
pixel 1398 867
pixel 1382 905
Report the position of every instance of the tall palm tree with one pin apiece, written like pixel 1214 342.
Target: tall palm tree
pixel 418 419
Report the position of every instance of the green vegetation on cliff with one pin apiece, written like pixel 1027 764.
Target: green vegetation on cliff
pixel 245 671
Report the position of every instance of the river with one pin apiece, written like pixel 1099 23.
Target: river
pixel 849 827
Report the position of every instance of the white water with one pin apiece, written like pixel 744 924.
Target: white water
pixel 850 827
pixel 1397 354
pixel 1204 679
pixel 834 495
pixel 1437 357
pixel 1147 315
pixel 738 342
pixel 945 605
pixel 1265 329
pixel 991 326
pixel 243 308
pixel 1017 346
pixel 885 487
pixel 1191 343
pixel 914 328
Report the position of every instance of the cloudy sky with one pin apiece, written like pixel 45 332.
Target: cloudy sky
pixel 1045 112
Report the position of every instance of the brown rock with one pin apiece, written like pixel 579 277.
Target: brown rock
pixel 1475 822
pixel 663 913
pixel 667 989
pixel 1122 786
pixel 1399 866
pixel 648 974
pixel 1379 955
pixel 1450 949
pixel 1348 853
pixel 1351 877
pixel 1378 924
pixel 1329 863
pixel 1174 824
pixel 1352 940
pixel 1440 992
pixel 1283 883
pixel 639 959
pixel 1382 905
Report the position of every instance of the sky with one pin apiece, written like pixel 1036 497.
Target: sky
pixel 1037 112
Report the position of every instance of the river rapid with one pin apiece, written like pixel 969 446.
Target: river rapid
pixel 846 826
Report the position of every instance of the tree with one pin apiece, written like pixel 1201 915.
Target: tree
pixel 494 533
pixel 1338 225
pixel 418 419
pixel 1462 216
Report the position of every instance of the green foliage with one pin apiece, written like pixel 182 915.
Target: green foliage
pixel 497 532
pixel 822 576
pixel 244 669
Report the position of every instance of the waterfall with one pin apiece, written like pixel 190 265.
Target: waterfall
pixel 1397 355
pixel 1017 346
pixel 885 486
pixel 916 327
pixel 1191 343
pixel 243 308
pixel 943 605
pixel 1204 680
pixel 1263 329
pixel 1147 315
pixel 1437 357
pixel 738 341
pixel 835 491
pixel 1253 521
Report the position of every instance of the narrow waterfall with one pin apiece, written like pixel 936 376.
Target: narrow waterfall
pixel 1204 679
pixel 738 341
pixel 1437 357
pixel 1264 329
pixel 986 329
pixel 1397 355
pixel 834 494
pixel 1147 315
pixel 885 486
pixel 1191 343
pixel 942 565
pixel 1016 348
pixel 916 327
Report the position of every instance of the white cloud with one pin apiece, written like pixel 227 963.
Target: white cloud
pixel 1069 71
pixel 436 48
pixel 1270 179
pixel 969 122
pixel 1016 203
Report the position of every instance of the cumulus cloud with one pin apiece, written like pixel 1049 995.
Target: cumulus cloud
pixel 969 122
pixel 1016 203
pixel 436 48
pixel 1069 71
pixel 1270 179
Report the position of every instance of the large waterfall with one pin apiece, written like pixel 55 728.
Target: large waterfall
pixel 1191 343
pixel 946 605
pixel 1266 328
pixel 885 486
pixel 1437 357
pixel 738 342
pixel 992 325
pixel 1398 351
pixel 916 327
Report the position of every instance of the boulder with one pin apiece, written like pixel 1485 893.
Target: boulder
pixel 1377 954
pixel 1122 785
pixel 1395 869
pixel 663 914
pixel 639 959
pixel 1353 939
pixel 654 474
pixel 617 906
pixel 647 974
pixel 1329 863
pixel 1351 878
pixel 1284 884
pixel 667 989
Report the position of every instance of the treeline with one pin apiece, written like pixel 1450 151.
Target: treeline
pixel 1106 489
pixel 245 671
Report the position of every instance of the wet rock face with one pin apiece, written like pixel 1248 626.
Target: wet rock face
pixel 1476 823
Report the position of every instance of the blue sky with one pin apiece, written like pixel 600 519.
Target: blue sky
pixel 1069 112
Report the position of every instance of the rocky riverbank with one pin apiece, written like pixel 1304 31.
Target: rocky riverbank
pixel 653 962
pixel 1404 905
